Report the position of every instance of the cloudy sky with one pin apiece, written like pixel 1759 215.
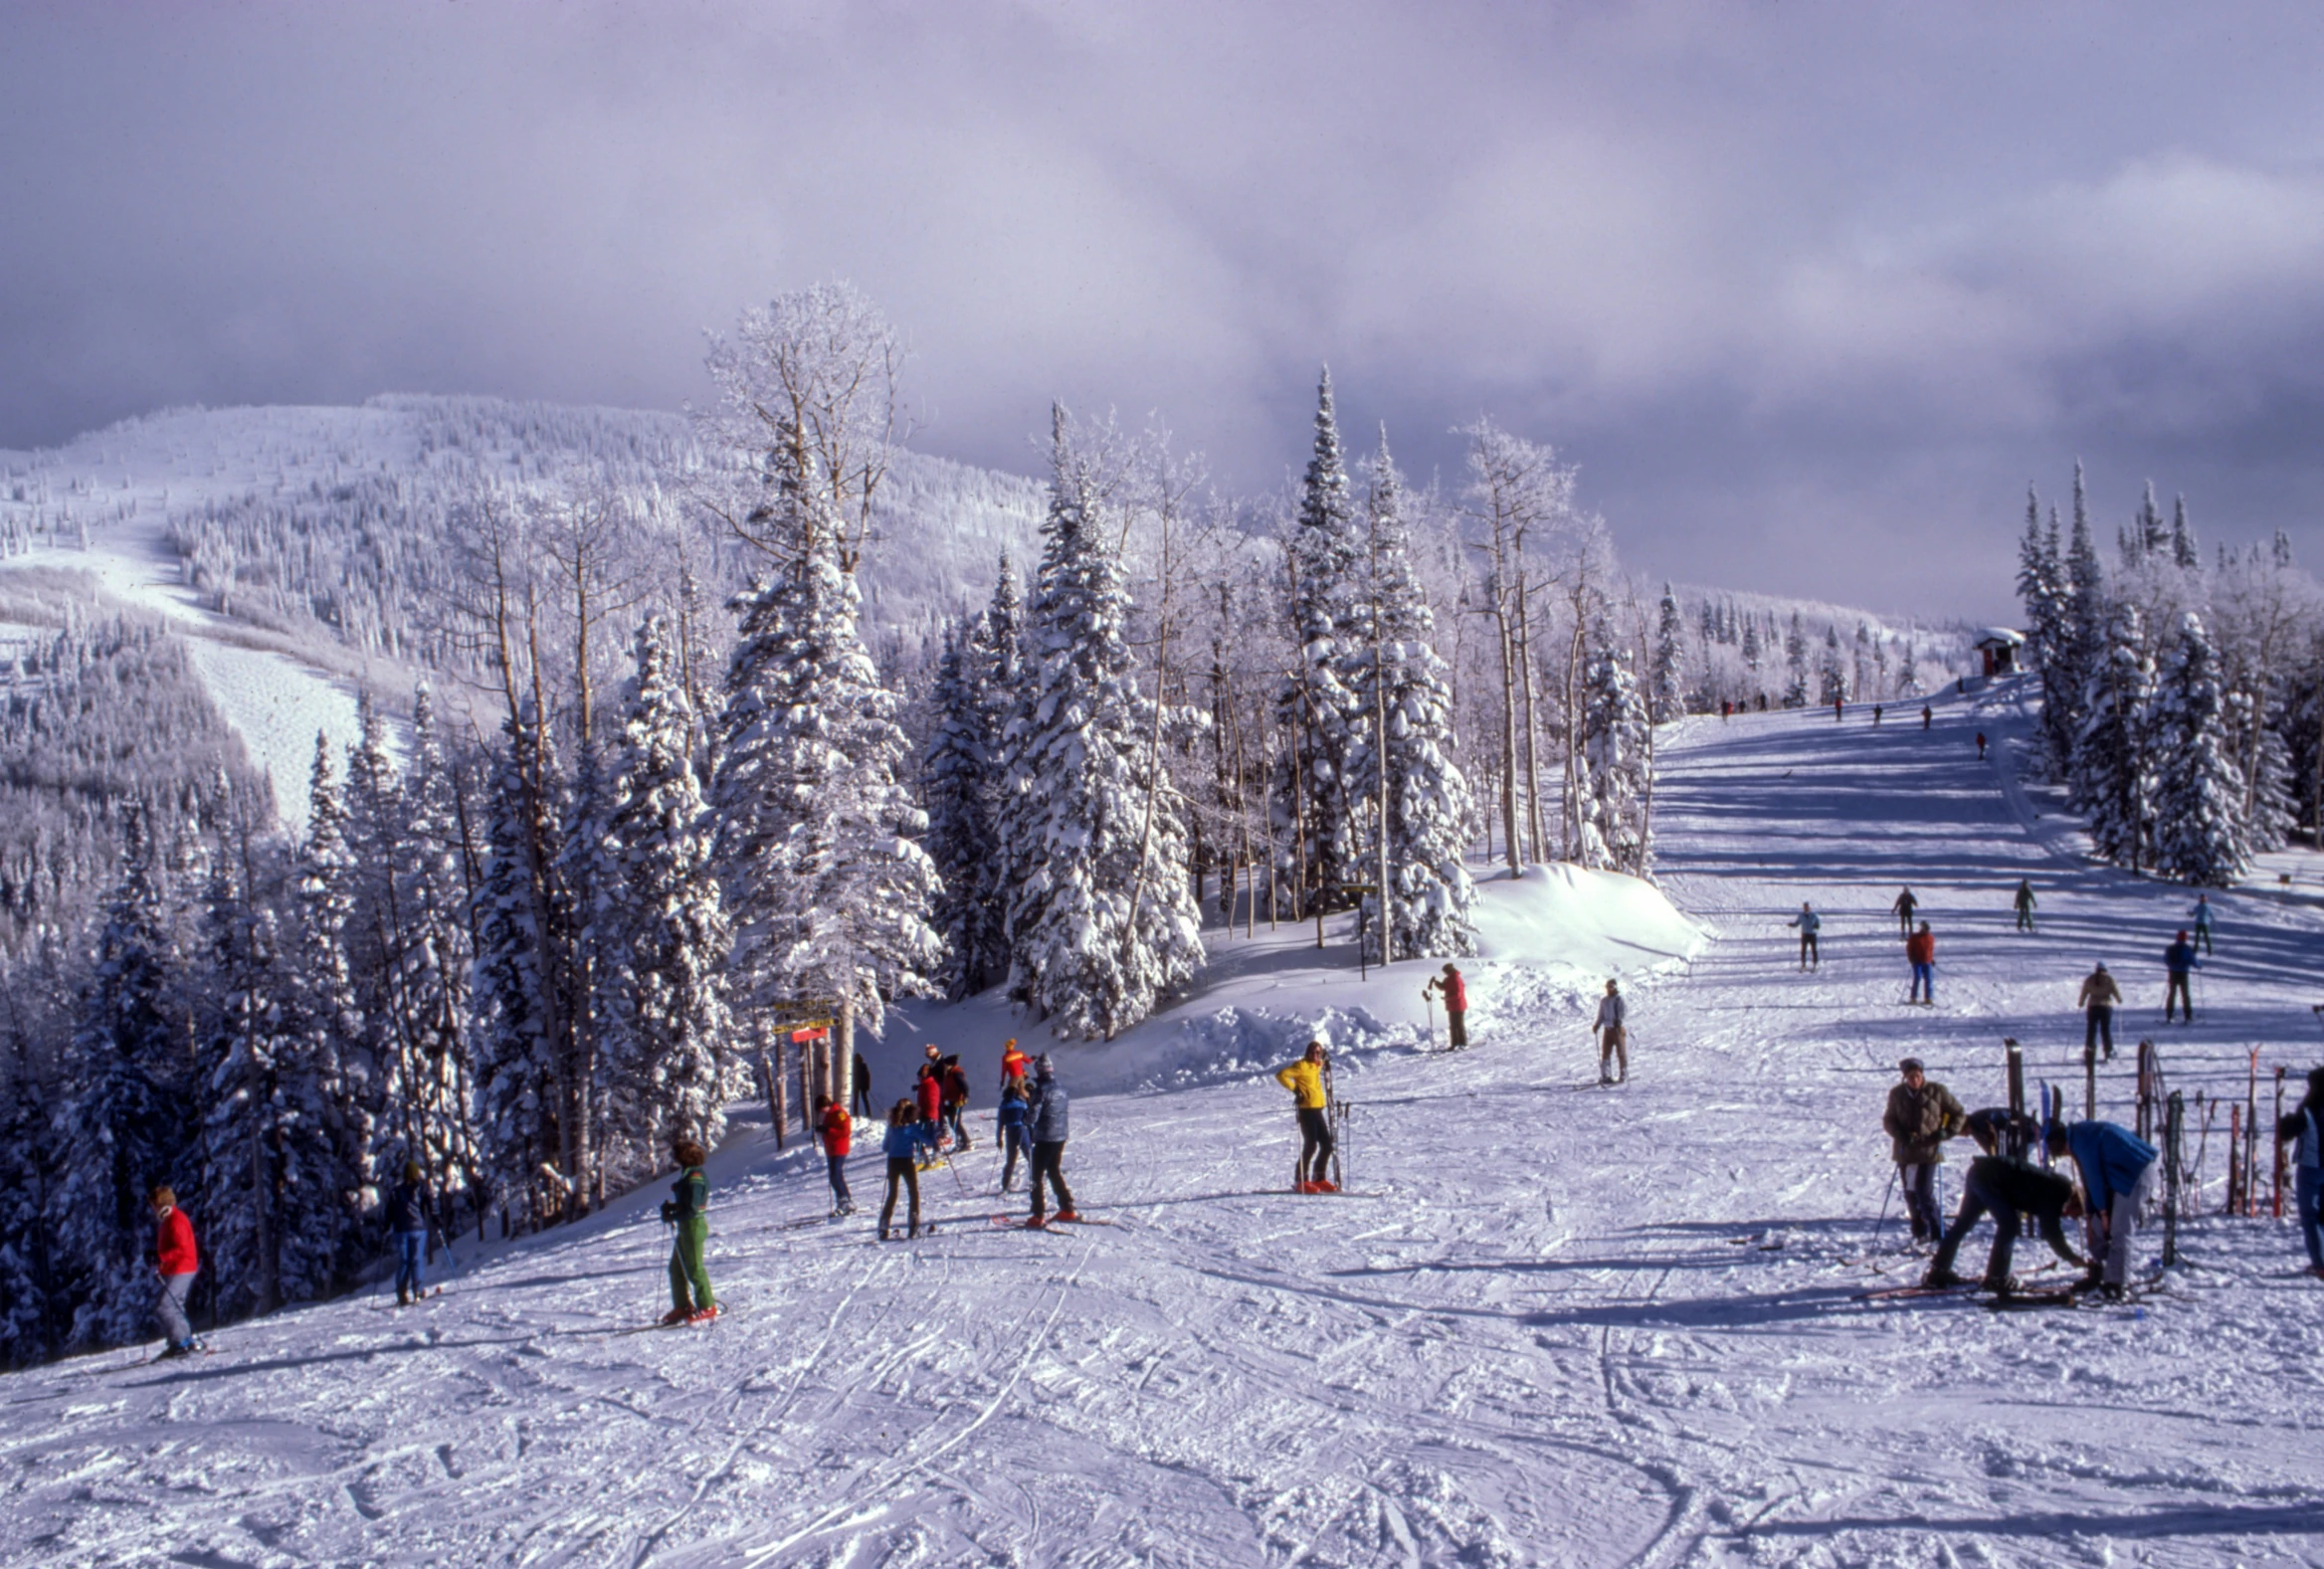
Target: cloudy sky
pixel 1809 291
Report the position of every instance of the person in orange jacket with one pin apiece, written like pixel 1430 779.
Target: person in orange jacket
pixel 836 1130
pixel 1014 1063
pixel 177 1261
pixel 1921 950
pixel 1455 1006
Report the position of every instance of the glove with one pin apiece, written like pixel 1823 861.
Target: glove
pixel 669 1211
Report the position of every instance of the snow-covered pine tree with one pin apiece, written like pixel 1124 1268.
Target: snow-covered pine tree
pixel 1796 665
pixel 1316 819
pixel 2184 554
pixel 960 839
pixel 1668 694
pixel 2113 764
pixel 1860 682
pixel 1753 653
pixel 28 1330
pixel 818 838
pixel 1832 674
pixel 1617 750
pixel 1101 919
pixel 1402 686
pixel 668 1060
pixel 125 1127
pixel 2199 791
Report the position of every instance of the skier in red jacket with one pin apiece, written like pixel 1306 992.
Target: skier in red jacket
pixel 1921 950
pixel 838 1131
pixel 177 1262
pixel 1455 1005
pixel 929 1093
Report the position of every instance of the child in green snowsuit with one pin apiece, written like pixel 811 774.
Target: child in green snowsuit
pixel 690 1212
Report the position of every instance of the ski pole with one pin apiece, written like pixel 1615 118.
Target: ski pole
pixel 1885 1195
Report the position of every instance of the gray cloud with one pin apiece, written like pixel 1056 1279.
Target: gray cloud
pixel 1810 291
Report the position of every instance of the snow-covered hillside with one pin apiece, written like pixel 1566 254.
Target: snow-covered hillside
pixel 1548 1323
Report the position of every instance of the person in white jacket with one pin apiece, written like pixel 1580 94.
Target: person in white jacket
pixel 1613 1039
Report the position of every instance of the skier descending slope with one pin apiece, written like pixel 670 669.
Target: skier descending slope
pixel 177 1261
pixel 2303 1129
pixel 690 1299
pixel 2118 1173
pixel 1613 1038
pixel 1046 1117
pixel 2179 961
pixel 2011 1191
pixel 1304 1080
pixel 1920 951
pixel 1921 1115
pixel 2025 904
pixel 1904 906
pixel 1809 924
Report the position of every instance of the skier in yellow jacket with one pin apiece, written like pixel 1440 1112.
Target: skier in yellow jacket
pixel 1304 1080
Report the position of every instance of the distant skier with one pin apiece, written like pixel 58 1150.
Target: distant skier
pixel 860 1091
pixel 837 1130
pixel 1921 1115
pixel 1875 716
pixel 2025 903
pixel 1015 1102
pixel 1045 1118
pixel 2202 914
pixel 407 1223
pixel 1014 1063
pixel 1838 716
pixel 1304 1080
pixel 690 1299
pixel 906 1132
pixel 177 1261
pixel 1981 746
pixel 2119 1174
pixel 2013 1192
pixel 954 1079
pixel 1726 708
pixel 1809 924
pixel 2179 963
pixel 1920 951
pixel 2304 1130
pixel 1613 1037
pixel 1455 1006
pixel 1903 908
pixel 1924 715
pixel 2098 996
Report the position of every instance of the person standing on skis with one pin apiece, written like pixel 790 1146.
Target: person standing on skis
pixel 2119 1174
pixel 954 1079
pixel 1455 1006
pixel 1016 1100
pixel 930 1094
pixel 1920 951
pixel 2304 1130
pixel 690 1299
pixel 1045 1118
pixel 407 1223
pixel 2025 903
pixel 177 1262
pixel 1981 746
pixel 1924 715
pixel 2098 996
pixel 906 1134
pixel 2202 916
pixel 1809 924
pixel 2179 962
pixel 837 1130
pixel 1014 1063
pixel 2013 1192
pixel 1921 1115
pixel 1903 908
pixel 1304 1080
pixel 1613 1038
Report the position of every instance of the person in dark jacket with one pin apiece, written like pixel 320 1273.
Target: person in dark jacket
pixel 836 1131
pixel 1045 1119
pixel 954 1079
pixel 1921 1115
pixel 2025 903
pixel 2118 1171
pixel 2179 961
pixel 2304 1130
pixel 1015 1100
pixel 2011 1191
pixel 1903 908
pixel 688 1209
pixel 1809 924
pixel 407 1223
pixel 177 1262
pixel 859 1096
pixel 906 1132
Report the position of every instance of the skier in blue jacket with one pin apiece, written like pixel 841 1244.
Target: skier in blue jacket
pixel 2202 918
pixel 907 1133
pixel 2304 1131
pixel 2119 1174
pixel 1015 1140
pixel 2179 959
pixel 1045 1121
pixel 1808 921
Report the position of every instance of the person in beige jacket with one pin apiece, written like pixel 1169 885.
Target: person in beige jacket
pixel 2099 995
pixel 1921 1115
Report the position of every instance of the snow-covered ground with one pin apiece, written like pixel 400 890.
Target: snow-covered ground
pixel 1550 1324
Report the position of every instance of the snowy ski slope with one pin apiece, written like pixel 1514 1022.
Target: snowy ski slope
pixel 1550 1324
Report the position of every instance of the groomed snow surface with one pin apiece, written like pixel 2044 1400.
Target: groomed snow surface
pixel 1550 1324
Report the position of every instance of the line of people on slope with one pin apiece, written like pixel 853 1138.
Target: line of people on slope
pixel 2118 1173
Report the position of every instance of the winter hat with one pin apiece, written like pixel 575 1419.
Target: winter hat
pixel 2183 937
pixel 2101 966
pixel 414 1171
pixel 1041 1068
pixel 1910 1065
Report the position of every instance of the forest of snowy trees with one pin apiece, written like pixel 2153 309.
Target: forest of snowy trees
pixel 2180 700
pixel 656 800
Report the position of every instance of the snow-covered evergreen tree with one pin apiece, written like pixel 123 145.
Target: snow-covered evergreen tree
pixel 1796 665
pixel 1618 752
pixel 1101 919
pixel 667 1062
pixel 519 1103
pixel 1399 684
pixel 1316 819
pixel 1832 674
pixel 2113 764
pixel 28 1307
pixel 961 840
pixel 1667 700
pixel 326 1011
pixel 2199 791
